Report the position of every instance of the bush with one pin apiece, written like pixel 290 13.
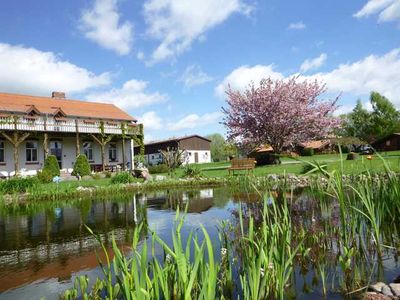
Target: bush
pixel 45 176
pixel 314 168
pixel 81 166
pixel 122 177
pixel 352 156
pixel 307 152
pixel 107 174
pixel 18 185
pixel 162 168
pixel 191 171
pixel 51 166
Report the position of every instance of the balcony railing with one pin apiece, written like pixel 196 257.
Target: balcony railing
pixel 66 125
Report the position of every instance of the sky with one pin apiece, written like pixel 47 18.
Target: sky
pixel 169 62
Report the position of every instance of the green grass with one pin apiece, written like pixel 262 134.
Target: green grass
pixel 294 166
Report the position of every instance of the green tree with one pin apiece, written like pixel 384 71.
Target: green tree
pixel 385 118
pixel 370 126
pixel 220 148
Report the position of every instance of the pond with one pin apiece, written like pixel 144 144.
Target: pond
pixel 42 250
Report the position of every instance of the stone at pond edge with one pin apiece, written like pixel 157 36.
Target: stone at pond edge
pixel 387 291
pixel 376 296
pixel 377 287
pixel 395 288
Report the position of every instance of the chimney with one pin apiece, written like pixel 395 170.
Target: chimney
pixel 58 95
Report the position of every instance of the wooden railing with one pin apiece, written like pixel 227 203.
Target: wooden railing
pixel 68 125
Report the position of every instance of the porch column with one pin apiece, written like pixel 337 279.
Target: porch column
pixel 77 149
pixel 123 154
pixel 132 150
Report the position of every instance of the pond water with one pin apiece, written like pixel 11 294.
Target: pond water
pixel 42 250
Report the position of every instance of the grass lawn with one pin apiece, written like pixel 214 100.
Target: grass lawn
pixel 290 165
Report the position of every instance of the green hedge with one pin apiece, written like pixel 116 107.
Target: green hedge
pixel 162 168
pixel 81 166
pixel 307 152
pixel 123 177
pixel 18 185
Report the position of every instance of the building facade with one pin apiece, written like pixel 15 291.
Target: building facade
pixel 197 149
pixel 389 143
pixel 31 128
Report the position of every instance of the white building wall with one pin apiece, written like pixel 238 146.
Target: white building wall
pixel 68 155
pixel 204 156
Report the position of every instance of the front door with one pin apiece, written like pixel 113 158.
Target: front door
pixel 56 150
pixel 196 157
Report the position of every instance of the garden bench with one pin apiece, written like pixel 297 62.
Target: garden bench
pixel 242 164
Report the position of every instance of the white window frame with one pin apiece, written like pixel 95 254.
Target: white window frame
pixel 2 152
pixel 32 150
pixel 88 150
pixel 112 152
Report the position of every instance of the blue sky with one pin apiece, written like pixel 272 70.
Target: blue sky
pixel 168 62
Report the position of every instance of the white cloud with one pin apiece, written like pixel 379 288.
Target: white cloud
pixel 242 76
pixel 373 73
pixel 297 26
pixel 151 121
pixel 28 70
pixel 177 23
pixel 194 121
pixel 101 24
pixel 132 94
pixel 193 76
pixel 389 10
pixel 314 63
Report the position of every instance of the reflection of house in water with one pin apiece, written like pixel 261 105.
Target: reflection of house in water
pixel 56 243
pixel 197 200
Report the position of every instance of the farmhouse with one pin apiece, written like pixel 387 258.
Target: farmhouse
pixel 196 149
pixel 389 143
pixel 33 127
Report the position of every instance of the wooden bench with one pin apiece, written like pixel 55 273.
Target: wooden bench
pixel 238 164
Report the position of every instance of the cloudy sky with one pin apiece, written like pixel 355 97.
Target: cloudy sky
pixel 168 62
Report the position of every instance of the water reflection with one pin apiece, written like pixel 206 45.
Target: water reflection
pixel 52 245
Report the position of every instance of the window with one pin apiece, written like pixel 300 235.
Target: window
pixel 388 143
pixel 88 150
pixel 31 151
pixel 1 151
pixel 152 157
pixel 112 152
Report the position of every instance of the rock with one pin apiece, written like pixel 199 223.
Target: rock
pixel 387 291
pixel 160 178
pixel 84 189
pixel 395 289
pixel 375 296
pixel 377 287
pixel 142 173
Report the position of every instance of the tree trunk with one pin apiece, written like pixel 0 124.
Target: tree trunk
pixel 46 146
pixel 16 140
pixel 102 141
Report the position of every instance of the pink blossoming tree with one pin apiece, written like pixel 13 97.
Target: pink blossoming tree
pixel 280 113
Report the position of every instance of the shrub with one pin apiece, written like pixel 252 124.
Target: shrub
pixel 97 176
pixel 307 152
pixel 81 166
pixel 107 174
pixel 191 171
pixel 122 177
pixel 352 156
pixel 313 168
pixel 51 166
pixel 18 185
pixel 162 168
pixel 45 176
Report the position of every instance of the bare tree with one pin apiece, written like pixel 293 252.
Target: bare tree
pixel 172 158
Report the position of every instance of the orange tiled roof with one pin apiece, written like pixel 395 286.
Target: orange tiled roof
pixel 46 105
pixel 315 144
